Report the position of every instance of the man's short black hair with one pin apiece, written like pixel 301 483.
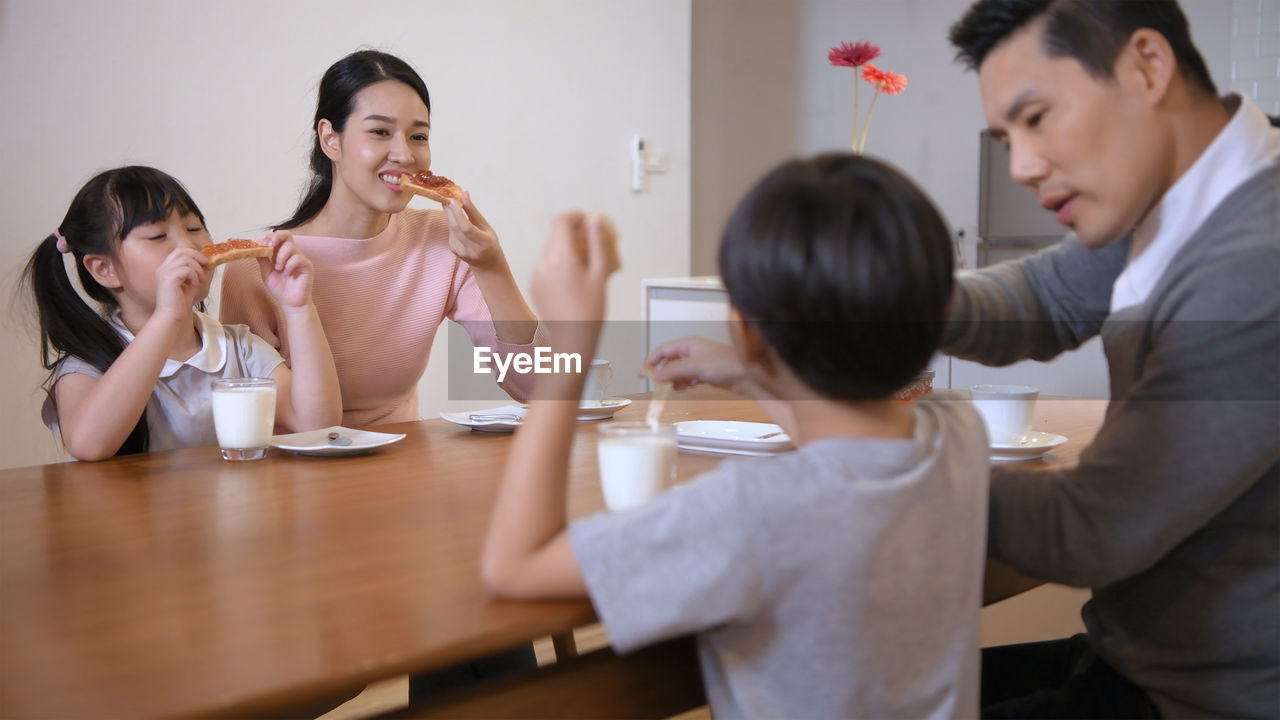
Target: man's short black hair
pixel 845 267
pixel 1091 31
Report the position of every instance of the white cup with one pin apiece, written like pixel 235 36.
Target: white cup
pixel 1006 410
pixel 637 460
pixel 244 414
pixel 597 383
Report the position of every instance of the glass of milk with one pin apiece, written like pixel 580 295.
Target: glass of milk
pixel 244 413
pixel 637 460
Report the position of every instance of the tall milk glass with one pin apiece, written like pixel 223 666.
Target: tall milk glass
pixel 244 413
pixel 637 461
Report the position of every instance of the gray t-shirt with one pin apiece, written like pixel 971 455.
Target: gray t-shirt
pixel 179 412
pixel 841 580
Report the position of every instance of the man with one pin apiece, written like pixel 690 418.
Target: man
pixel 1172 515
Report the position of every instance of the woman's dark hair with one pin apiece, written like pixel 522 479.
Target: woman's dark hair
pixel 335 102
pixel 1091 31
pixel 844 266
pixel 101 215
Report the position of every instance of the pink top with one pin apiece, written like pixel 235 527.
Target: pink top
pixel 380 301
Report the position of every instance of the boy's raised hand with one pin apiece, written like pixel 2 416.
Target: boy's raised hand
pixel 288 274
pixel 569 280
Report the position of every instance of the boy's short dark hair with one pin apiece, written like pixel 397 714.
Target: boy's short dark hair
pixel 845 267
pixel 1091 31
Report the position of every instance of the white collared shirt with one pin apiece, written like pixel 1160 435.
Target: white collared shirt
pixel 1247 145
pixel 179 412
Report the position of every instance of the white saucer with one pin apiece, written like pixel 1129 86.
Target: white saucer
pixel 749 437
pixel 1035 445
pixel 474 418
pixel 316 442
pixel 605 409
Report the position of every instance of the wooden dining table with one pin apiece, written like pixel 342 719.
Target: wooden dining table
pixel 176 584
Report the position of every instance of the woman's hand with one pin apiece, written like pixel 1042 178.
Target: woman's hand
pixel 180 280
pixel 288 274
pixel 470 236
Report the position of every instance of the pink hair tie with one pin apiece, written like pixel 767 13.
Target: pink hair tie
pixel 62 242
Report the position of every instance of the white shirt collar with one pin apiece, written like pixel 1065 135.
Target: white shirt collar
pixel 1243 148
pixel 211 356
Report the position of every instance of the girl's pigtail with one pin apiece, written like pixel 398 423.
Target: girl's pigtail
pixel 71 327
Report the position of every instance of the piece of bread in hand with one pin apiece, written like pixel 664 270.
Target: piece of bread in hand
pixel 428 184
pixel 235 249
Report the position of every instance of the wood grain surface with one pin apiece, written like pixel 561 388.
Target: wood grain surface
pixel 175 584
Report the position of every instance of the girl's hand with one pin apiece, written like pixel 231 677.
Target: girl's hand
pixel 470 237
pixel 180 280
pixel 288 275
pixel 569 280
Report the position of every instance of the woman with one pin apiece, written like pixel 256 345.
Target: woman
pixel 386 276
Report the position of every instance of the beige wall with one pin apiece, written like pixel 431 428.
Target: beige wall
pixel 535 104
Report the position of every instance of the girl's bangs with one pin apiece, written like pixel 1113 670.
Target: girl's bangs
pixel 149 197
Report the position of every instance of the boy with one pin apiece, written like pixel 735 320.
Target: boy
pixel 841 580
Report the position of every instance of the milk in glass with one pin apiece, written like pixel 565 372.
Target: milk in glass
pixel 636 462
pixel 244 411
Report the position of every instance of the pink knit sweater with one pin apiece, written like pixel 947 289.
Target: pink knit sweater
pixel 381 301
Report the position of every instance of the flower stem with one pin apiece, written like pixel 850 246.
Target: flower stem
pixel 853 143
pixel 867 125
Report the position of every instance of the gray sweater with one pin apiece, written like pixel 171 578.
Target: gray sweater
pixel 1172 515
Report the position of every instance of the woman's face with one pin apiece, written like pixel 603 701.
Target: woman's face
pixel 386 135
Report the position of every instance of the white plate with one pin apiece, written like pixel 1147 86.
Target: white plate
pixel 724 451
pixel 503 425
pixel 316 442
pixel 732 435
pixel 474 419
pixel 1036 444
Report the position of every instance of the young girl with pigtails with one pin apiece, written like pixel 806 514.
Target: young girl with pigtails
pixel 137 375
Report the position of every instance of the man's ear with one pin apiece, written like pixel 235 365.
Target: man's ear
pixel 103 271
pixel 330 140
pixel 1147 65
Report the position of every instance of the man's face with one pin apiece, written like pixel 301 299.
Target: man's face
pixel 1089 149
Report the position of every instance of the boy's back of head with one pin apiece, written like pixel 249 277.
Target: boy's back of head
pixel 845 268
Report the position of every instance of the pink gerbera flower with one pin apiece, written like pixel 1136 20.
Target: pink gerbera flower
pixel 893 83
pixel 859 55
pixel 853 54
pixel 889 83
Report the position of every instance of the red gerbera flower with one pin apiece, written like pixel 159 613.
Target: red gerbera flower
pixel 853 54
